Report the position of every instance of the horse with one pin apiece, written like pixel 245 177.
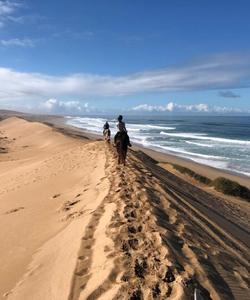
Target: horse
pixel 106 134
pixel 122 147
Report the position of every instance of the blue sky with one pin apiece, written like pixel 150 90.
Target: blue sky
pixel 140 56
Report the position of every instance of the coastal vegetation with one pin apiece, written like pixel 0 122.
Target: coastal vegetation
pixel 230 187
pixel 220 184
pixel 191 173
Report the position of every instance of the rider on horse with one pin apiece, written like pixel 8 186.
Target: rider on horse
pixel 122 130
pixel 106 132
pixel 105 126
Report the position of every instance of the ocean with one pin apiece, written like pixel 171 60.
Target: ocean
pixel 218 141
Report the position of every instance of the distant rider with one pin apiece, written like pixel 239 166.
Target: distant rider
pixel 105 126
pixel 122 130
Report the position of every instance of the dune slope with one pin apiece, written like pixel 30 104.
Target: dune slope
pixel 77 226
pixel 50 187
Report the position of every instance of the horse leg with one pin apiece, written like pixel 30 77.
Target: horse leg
pixel 118 153
pixel 124 159
pixel 124 156
pixel 121 155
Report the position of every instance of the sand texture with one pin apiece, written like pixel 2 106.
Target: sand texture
pixel 75 225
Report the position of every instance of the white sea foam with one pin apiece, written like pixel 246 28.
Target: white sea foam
pixel 133 129
pixel 182 151
pixel 92 125
pixel 200 136
pixel 143 127
pixel 211 163
pixel 198 144
pixel 184 135
pixel 160 127
pixel 245 173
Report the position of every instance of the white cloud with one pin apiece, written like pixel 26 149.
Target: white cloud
pixel 18 42
pixel 170 106
pixel 56 106
pixel 7 9
pixel 217 72
pixel 196 107
pixel 193 108
pixel 157 108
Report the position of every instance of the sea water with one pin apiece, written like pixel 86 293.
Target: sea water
pixel 220 142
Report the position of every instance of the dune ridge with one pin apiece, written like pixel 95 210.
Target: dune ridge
pixel 164 248
pixel 134 232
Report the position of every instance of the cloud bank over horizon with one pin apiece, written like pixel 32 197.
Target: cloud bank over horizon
pixel 217 72
pixel 57 106
pixel 71 107
pixel 192 108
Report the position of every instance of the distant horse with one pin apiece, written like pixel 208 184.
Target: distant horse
pixel 122 147
pixel 106 134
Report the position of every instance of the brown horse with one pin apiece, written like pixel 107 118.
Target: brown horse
pixel 122 147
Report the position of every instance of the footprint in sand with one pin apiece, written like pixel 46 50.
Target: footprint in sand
pixel 56 196
pixel 13 210
pixel 69 204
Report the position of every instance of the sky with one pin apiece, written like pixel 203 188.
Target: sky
pixel 134 56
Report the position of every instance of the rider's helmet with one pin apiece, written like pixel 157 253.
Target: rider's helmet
pixel 120 118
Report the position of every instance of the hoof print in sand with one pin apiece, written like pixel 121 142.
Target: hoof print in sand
pixel 69 204
pixel 132 229
pixel 169 277
pixel 141 267
pixel 156 291
pixel 134 244
pixel 136 295
pixel 125 247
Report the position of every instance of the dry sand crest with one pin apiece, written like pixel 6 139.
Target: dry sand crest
pixel 74 225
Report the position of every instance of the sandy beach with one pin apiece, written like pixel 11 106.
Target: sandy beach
pixel 75 225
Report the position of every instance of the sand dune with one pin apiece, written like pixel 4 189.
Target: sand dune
pixel 50 187
pixel 77 226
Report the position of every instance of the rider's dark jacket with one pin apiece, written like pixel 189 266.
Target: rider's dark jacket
pixel 106 126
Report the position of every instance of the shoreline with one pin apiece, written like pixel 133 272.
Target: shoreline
pixel 168 158
pixel 60 123
pixel 205 170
